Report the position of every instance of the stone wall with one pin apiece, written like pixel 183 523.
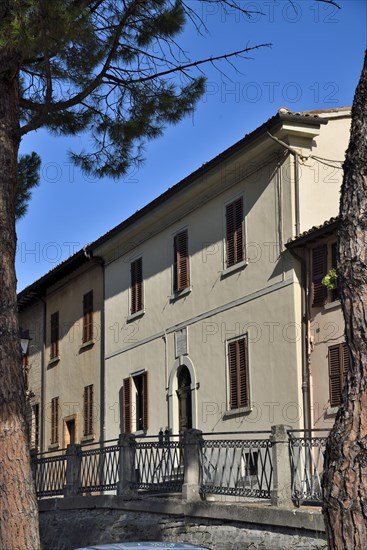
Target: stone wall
pixel 69 523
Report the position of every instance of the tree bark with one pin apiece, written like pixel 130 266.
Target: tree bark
pixel 345 467
pixel 18 504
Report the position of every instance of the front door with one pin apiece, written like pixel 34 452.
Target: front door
pixel 184 400
pixel 70 432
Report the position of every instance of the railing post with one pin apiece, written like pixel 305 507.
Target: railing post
pixel 127 445
pixel 33 453
pixel 73 470
pixel 192 449
pixel 281 495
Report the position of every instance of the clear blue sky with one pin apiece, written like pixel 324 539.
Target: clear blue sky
pixel 314 63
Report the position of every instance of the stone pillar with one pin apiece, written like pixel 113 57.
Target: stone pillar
pixel 73 470
pixel 192 449
pixel 127 444
pixel 281 494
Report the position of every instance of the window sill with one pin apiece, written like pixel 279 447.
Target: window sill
pixel 332 305
pixel 331 411
pixel 88 344
pixel 237 412
pixel 54 360
pixel 180 294
pixel 53 446
pixel 87 438
pixel 233 269
pixel 135 315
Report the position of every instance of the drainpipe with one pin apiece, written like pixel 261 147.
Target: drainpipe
pixel 100 261
pixel 43 382
pixel 305 371
pixel 296 193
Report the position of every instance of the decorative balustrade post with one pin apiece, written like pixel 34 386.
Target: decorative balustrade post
pixel 73 470
pixel 281 495
pixel 127 476
pixel 192 450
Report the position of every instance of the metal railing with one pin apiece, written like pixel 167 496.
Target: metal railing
pixel 49 471
pixel 159 464
pixel 307 460
pixel 237 467
pixel 99 467
pixel 282 466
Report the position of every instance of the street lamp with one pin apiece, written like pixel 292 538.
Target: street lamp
pixel 24 341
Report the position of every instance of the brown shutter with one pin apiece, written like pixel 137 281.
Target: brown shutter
pixel 181 261
pixel 55 420
pixel 54 351
pixel 235 233
pixel 334 248
pixel 88 316
pixel 145 401
pixel 88 410
pixel 136 285
pixel 243 370
pixel 233 403
pixel 319 270
pixel 338 356
pixel 127 405
pixel 238 374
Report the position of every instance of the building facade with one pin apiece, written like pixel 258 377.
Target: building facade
pixel 197 299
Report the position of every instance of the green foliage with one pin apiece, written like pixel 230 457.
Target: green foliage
pixel 28 178
pixel 109 68
pixel 330 279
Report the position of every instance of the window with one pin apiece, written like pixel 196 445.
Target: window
pixel 54 352
pixel 136 285
pixel 54 420
pixel 88 317
pixel 338 367
pixel 238 374
pixel 88 410
pixel 36 426
pixel 319 270
pixel 334 249
pixel 181 276
pixel 135 406
pixel 235 232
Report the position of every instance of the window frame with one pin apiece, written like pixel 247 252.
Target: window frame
pixel 54 335
pixel 136 308
pixel 236 261
pixel 343 360
pixel 55 420
pixel 177 262
pixel 88 406
pixel 131 423
pixel 88 311
pixel 241 405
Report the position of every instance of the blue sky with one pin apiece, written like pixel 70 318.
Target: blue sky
pixel 314 63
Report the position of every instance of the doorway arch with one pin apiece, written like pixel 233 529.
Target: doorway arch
pixel 182 391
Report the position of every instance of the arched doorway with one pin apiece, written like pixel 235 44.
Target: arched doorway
pixel 184 399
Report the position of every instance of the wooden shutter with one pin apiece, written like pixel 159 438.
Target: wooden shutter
pixel 137 285
pixel 181 261
pixel 339 361
pixel 319 270
pixel 127 405
pixel 235 232
pixel 334 247
pixel 88 316
pixel 55 420
pixel 238 374
pixel 145 400
pixel 88 410
pixel 54 351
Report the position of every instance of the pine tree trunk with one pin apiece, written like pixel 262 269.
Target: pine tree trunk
pixel 345 467
pixel 18 505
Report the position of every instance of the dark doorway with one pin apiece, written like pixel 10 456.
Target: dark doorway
pixel 70 432
pixel 184 400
